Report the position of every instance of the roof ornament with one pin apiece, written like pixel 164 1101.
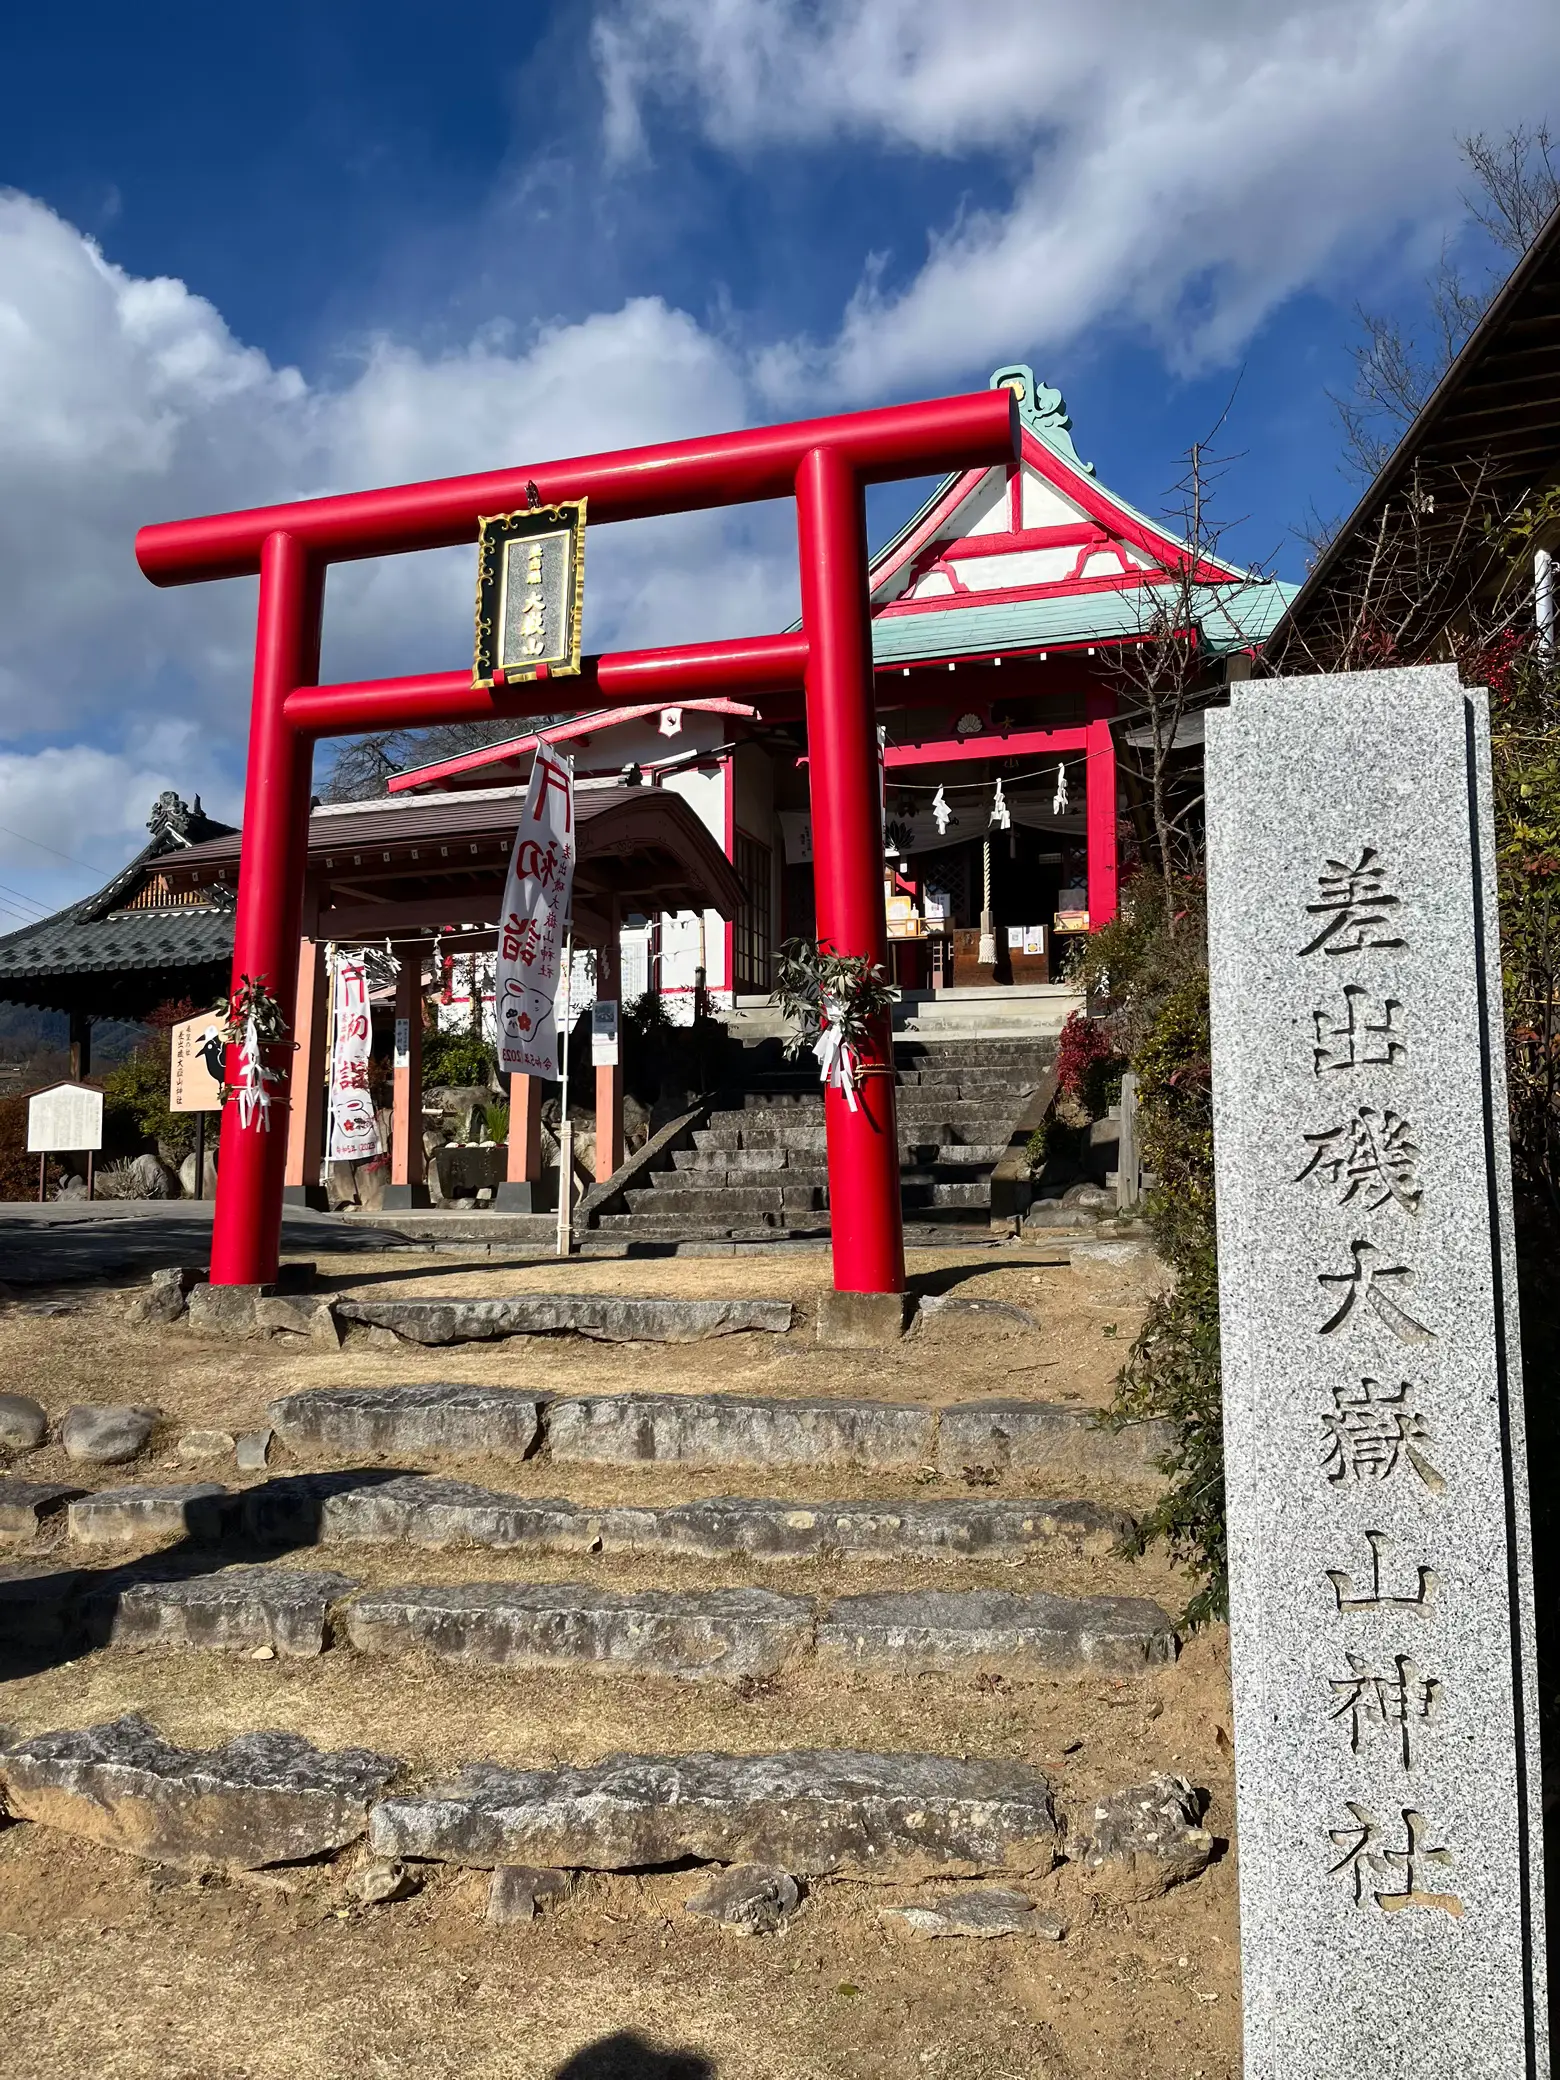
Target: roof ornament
pixel 170 817
pixel 1043 411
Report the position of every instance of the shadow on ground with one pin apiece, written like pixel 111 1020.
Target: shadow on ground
pixel 626 2055
pixel 53 1615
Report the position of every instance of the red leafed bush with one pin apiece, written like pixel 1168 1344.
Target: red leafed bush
pixel 18 1169
pixel 1080 1053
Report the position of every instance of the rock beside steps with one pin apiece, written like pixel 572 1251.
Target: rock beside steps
pixel 726 1634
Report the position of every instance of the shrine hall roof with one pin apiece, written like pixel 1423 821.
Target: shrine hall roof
pixel 434 849
pixel 1041 556
pixel 131 945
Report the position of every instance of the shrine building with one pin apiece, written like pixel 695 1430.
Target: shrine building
pixel 1000 616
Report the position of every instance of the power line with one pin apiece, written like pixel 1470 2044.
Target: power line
pixel 6 828
pixel 22 896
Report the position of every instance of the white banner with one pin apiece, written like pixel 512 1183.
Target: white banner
pixel 535 921
pixel 354 1131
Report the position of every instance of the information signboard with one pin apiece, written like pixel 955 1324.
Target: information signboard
pixel 191 1085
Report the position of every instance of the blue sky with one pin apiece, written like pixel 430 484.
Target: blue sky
pixel 252 257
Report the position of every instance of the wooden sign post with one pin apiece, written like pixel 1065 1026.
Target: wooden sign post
pixel 191 1085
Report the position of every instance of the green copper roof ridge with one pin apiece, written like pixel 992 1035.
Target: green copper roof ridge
pixel 1043 410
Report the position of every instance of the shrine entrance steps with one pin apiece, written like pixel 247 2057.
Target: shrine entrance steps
pixel 566 1610
pixel 757 1171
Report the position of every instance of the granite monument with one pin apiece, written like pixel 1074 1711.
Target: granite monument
pixel 1380 1580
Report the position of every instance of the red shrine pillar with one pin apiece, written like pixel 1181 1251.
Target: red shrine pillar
pixel 247 1224
pixel 306 1113
pixel 523 1169
pixel 408 1164
pixel 1100 803
pixel 847 826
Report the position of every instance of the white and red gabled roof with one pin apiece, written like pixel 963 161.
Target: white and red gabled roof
pixel 1045 540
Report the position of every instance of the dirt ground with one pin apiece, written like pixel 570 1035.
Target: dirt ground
pixel 112 1969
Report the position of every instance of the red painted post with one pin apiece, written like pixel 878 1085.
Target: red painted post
pixel 525 1130
pixel 246 1227
pixel 847 825
pixel 306 1113
pixel 1100 801
pixel 408 1165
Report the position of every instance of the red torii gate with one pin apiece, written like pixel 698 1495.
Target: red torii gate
pixel 824 464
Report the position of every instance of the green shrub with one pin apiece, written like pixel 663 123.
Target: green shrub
pixel 1152 964
pixel 136 1113
pixel 1173 1370
pixel 457 1059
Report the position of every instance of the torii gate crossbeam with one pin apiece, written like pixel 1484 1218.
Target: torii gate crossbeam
pixel 823 464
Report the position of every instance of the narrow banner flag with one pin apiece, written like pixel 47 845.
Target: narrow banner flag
pixel 535 921
pixel 354 1131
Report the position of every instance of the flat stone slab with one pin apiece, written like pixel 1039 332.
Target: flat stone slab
pixel 237 1609
pixel 416 1509
pixel 808 1811
pixel 263 1798
pixel 940 1629
pixel 995 1910
pixel 765 1529
pixel 25 1504
pixel 601 1316
pixel 1045 1437
pixel 135 1516
pixel 436 1419
pixel 723 1633
pixel 739 1430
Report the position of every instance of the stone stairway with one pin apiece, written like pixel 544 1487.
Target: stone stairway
pixel 557 1636
pixel 757 1170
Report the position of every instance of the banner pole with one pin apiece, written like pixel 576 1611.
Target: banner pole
pixel 565 1124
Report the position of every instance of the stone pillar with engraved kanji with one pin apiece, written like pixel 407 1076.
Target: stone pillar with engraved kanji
pixel 1381 1604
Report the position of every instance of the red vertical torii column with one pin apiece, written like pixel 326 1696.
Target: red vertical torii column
pixel 269 919
pixel 847 827
pixel 1100 806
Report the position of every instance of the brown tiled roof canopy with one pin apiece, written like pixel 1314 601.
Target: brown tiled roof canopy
pixel 1493 421
pixel 421 863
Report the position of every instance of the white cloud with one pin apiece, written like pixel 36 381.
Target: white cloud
pixel 124 400
pixel 1181 169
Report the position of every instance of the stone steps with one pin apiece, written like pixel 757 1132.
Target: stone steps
pixel 768 1138
pixel 264 1799
pixel 365 1507
pixel 732 1200
pixel 718 1430
pixel 692 1634
pixel 810 1812
pixel 273 1798
pixel 731 1634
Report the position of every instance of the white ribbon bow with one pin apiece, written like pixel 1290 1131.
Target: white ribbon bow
pixel 837 1061
pixel 254 1100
